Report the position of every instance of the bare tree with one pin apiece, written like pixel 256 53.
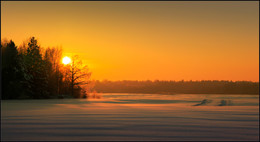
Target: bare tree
pixel 52 58
pixel 78 73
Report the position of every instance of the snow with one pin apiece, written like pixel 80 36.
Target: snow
pixel 133 117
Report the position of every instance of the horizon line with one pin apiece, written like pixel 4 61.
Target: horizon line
pixel 174 80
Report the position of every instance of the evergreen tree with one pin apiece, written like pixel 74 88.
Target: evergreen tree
pixel 36 80
pixel 12 71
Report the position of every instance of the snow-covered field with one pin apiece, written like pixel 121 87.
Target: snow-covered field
pixel 133 117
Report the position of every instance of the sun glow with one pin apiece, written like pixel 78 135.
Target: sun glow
pixel 66 60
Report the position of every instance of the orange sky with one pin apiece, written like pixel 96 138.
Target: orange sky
pixel 145 40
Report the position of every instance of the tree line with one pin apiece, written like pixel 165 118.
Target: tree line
pixel 178 87
pixel 33 72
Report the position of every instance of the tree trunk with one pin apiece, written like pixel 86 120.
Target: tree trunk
pixel 72 78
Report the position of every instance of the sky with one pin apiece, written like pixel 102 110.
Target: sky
pixel 131 40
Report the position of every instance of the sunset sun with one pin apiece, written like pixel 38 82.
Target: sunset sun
pixel 66 60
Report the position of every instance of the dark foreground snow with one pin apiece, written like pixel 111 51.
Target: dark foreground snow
pixel 133 117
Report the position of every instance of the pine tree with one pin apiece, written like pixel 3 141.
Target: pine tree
pixel 36 71
pixel 12 72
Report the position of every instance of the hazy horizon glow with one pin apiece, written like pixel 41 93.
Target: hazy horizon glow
pixel 125 40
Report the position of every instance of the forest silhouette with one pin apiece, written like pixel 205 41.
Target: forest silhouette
pixel 33 72
pixel 178 87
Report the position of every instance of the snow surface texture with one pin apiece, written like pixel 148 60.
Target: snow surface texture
pixel 133 117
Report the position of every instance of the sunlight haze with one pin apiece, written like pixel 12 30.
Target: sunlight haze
pixel 145 40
